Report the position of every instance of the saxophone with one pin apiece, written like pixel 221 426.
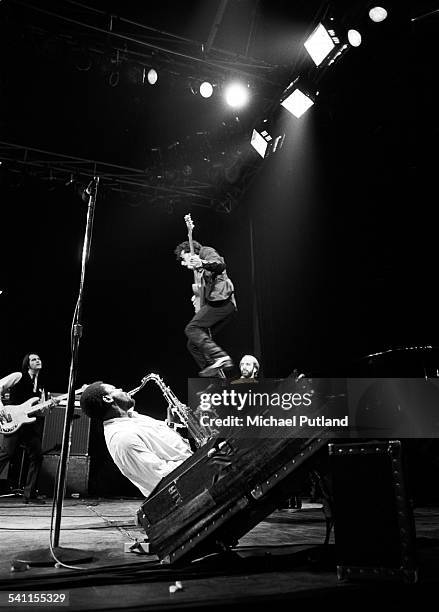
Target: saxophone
pixel 199 433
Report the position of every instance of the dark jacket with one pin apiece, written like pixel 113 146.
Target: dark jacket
pixel 218 286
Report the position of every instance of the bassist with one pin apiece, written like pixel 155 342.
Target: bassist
pixel 30 434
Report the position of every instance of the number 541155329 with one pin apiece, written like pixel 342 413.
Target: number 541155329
pixel 35 598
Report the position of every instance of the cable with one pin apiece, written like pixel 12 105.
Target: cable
pixel 111 524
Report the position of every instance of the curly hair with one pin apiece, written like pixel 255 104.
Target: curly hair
pixel 184 246
pixel 92 403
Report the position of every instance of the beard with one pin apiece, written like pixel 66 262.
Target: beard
pixel 125 402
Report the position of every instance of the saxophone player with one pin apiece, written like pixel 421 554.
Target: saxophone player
pixel 144 449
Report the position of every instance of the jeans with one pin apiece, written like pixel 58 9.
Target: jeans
pixel 208 320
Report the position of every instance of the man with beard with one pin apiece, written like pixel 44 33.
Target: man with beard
pixel 144 449
pixel 249 367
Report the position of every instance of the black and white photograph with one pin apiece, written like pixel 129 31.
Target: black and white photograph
pixel 219 349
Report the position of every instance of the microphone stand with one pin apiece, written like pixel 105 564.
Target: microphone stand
pixel 77 328
pixel 69 555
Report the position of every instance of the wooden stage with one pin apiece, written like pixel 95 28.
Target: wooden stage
pixel 278 563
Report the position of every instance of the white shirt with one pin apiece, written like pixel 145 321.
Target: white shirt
pixel 144 449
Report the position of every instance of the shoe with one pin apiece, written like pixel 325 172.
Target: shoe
pixel 38 499
pixel 222 363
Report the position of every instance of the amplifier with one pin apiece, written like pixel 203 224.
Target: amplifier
pixel 77 475
pixel 374 525
pixel 53 431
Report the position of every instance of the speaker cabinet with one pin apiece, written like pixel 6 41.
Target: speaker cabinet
pixel 54 427
pixel 374 525
pixel 77 475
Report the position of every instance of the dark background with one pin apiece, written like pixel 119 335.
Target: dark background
pixel 343 215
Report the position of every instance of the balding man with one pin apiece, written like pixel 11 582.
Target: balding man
pixel 249 367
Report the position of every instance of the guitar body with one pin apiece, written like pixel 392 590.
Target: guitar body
pixel 13 417
pixel 197 301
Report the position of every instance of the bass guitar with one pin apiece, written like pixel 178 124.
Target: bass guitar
pixel 13 417
pixel 197 285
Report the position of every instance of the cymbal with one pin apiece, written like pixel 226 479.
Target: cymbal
pixel 412 349
pixel 10 380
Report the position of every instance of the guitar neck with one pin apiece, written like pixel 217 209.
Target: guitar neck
pixel 191 249
pixel 48 403
pixel 54 401
pixel 191 243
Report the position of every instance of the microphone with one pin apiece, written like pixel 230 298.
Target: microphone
pixel 88 189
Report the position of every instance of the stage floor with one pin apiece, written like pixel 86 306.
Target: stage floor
pixel 276 563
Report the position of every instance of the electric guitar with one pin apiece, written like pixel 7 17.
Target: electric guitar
pixel 13 417
pixel 197 285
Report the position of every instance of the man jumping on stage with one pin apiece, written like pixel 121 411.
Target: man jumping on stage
pixel 217 306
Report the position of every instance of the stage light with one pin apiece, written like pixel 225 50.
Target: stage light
pixel 236 95
pixel 377 14
pixel 354 38
pixel 298 97
pixel 152 76
pixel 261 142
pixel 264 143
pixel 206 89
pixel 320 43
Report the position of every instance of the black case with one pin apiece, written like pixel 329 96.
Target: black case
pixel 374 525
pixel 216 496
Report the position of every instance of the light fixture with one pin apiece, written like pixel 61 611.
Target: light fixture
pixel 377 14
pixel 320 43
pixel 152 76
pixel 261 142
pixel 236 95
pixel 326 44
pixel 354 38
pixel 206 89
pixel 298 97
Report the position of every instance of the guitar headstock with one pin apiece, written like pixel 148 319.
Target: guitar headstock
pixel 189 223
